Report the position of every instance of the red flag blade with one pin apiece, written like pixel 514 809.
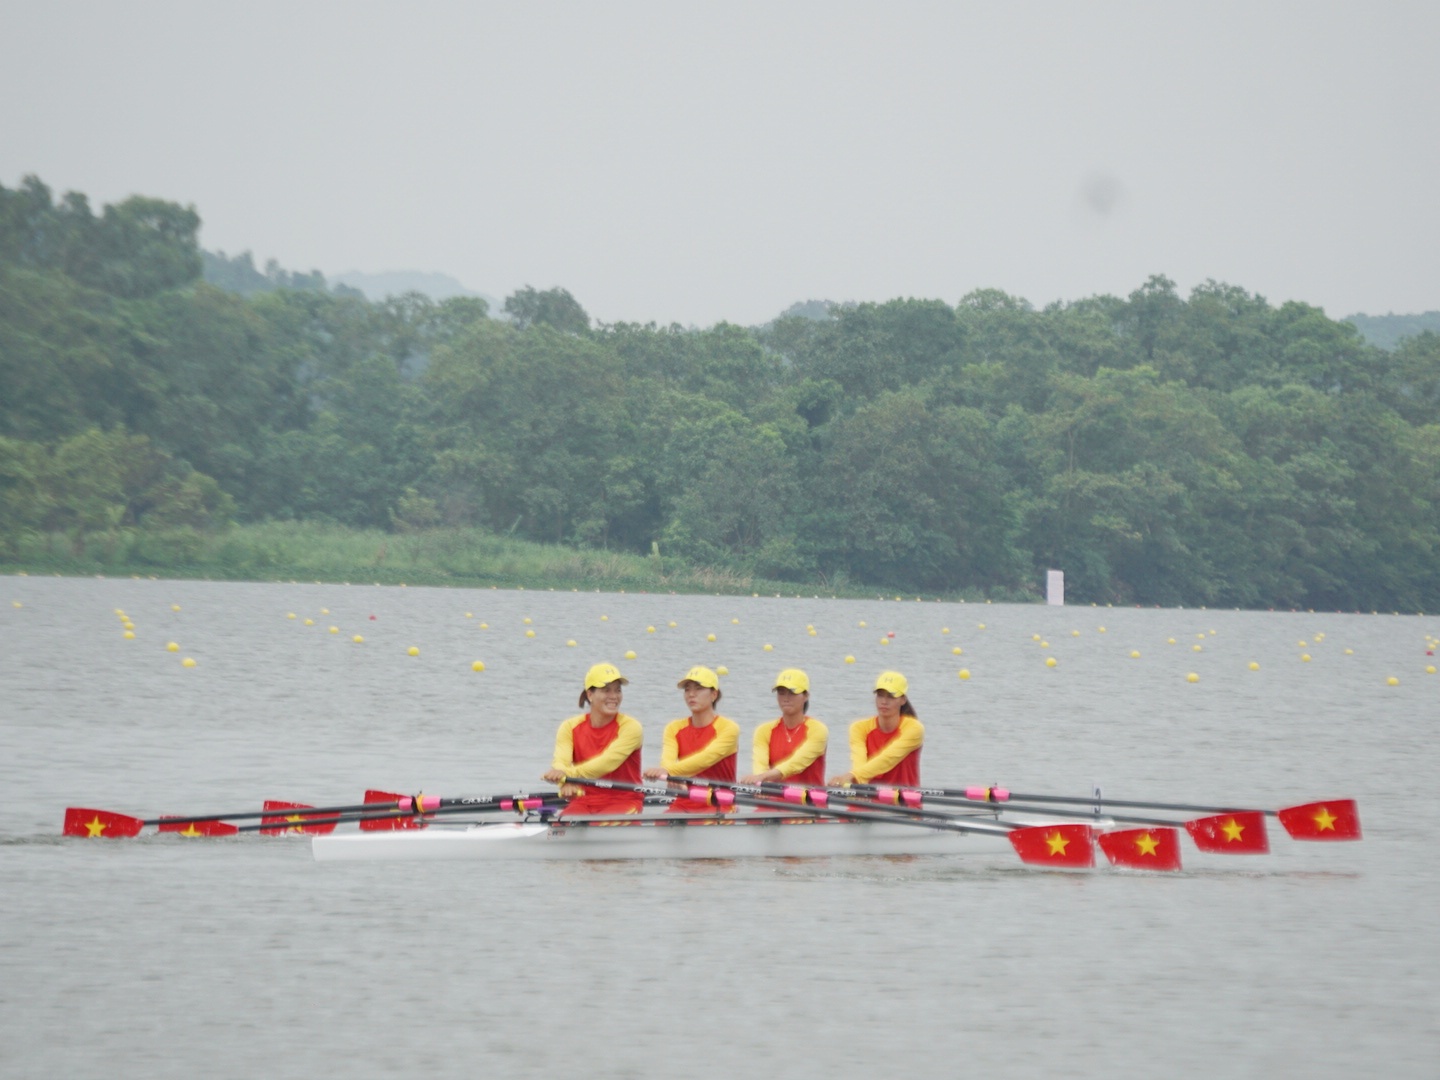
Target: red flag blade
pixel 1241 833
pixel 292 822
pixel 1142 849
pixel 1337 820
pixel 186 827
pixel 394 823
pixel 80 821
pixel 1054 845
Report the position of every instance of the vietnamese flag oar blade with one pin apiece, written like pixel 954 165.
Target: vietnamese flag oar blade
pixel 1240 833
pixel 1142 849
pixel 186 827
pixel 381 824
pixel 80 821
pixel 292 821
pixel 1336 820
pixel 1055 845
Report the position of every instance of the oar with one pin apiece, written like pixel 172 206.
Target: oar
pixel 1051 849
pixel 110 824
pixel 1335 819
pixel 520 806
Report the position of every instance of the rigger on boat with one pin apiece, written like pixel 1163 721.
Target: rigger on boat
pixel 878 807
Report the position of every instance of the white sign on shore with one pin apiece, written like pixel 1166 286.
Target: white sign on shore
pixel 1055 588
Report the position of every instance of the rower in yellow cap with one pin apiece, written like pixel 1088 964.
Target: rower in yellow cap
pixel 703 745
pixel 793 746
pixel 601 743
pixel 885 748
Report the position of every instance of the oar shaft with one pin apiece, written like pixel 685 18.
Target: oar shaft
pixel 872 812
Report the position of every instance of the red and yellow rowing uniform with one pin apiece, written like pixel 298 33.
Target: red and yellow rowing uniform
pixel 706 753
pixel 879 757
pixel 611 752
pixel 798 752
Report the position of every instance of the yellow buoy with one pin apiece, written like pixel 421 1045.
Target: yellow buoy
pixel 1349 652
pixel 1192 677
pixel 529 633
pixel 129 634
pixel 290 615
pixel 734 622
pixel 174 607
pixel 309 622
pixel 768 647
pixel 1170 641
pixel 358 640
pixel 849 659
pixel 861 624
pixel 1034 637
pixel 413 650
pixel 956 651
pixel 172 647
pixel 571 643
pixel 526 621
pixel 649 629
pixel 478 665
pixel 1100 629
pixel 1134 654
pixel 964 673
pixel 1392 681
pixel 709 637
pixel 672 626
pixel 1074 633
pixel 324 611
pixel 119 611
pixel 812 632
pixel 1196 648
pixel 944 629
pixel 1050 661
pixel 334 629
pixel 484 626
pixel 1429 669
pixel 189 661
pixel 604 618
pixel 1044 644
pixel 468 615
pixel 722 670
pixel 630 654
pixel 1254 666
pixel 884 641
pixel 981 625
pixel 1305 657
pixel 16 603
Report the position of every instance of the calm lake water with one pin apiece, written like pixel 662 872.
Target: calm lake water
pixel 172 958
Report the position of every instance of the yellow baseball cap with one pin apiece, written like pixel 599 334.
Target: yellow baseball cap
pixel 702 675
pixel 603 675
pixel 893 683
pixel 794 680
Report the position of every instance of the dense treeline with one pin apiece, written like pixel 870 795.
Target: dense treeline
pixel 1160 449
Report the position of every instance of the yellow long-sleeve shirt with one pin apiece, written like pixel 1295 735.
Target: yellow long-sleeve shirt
pixel 627 740
pixel 908 738
pixel 724 743
pixel 817 737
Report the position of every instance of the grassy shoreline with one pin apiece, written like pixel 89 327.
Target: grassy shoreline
pixel 466 558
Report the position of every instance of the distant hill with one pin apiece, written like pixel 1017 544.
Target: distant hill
pixel 1387 331
pixel 398 282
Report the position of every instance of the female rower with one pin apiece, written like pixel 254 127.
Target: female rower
pixel 599 744
pixel 703 745
pixel 792 747
pixel 885 748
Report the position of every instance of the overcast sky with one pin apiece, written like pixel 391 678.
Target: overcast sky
pixel 687 162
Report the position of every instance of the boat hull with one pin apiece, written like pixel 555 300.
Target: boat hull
pixel 659 839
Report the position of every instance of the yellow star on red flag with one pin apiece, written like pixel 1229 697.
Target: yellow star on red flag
pixel 1232 830
pixel 1057 843
pixel 1324 819
pixel 96 826
pixel 1146 843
